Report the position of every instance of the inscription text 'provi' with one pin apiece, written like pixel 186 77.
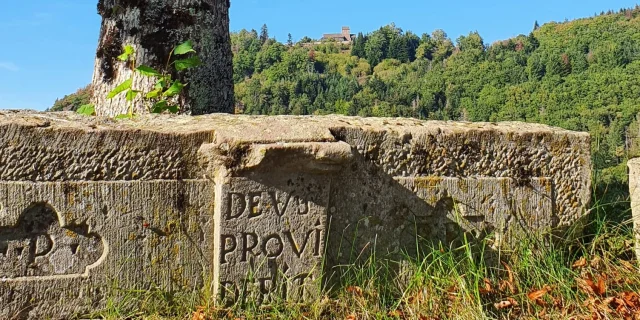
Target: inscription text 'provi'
pixel 270 242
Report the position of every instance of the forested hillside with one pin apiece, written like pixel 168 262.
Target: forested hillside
pixel 581 75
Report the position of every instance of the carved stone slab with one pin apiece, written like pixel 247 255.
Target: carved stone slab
pixel 270 238
pixel 73 242
pixel 256 208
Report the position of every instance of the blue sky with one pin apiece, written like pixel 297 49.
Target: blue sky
pixel 47 47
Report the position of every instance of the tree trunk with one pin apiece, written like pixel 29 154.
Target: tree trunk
pixel 154 28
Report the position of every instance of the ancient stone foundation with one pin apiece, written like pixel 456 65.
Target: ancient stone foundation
pixel 257 209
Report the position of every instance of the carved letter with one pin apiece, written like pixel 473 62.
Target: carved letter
pixel 300 279
pixel 255 204
pixel 280 245
pixel 276 205
pixel 266 288
pixel 237 204
pixel 228 288
pixel 246 248
pixel 227 239
pixel 296 249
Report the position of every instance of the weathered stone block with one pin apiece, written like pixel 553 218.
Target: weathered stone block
pixel 634 191
pixel 77 242
pixel 258 209
pixel 270 238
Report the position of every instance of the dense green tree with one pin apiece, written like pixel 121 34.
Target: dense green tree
pixel 443 46
pixel 357 48
pixel 289 40
pixel 376 48
pixel 398 49
pixel 471 42
pixel 412 42
pixel 264 33
pixel 270 54
pixel 536 67
pixel 246 46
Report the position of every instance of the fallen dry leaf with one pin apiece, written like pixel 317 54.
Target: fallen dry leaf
pixel 355 290
pixel 510 282
pixel 580 263
pixel 487 287
pixel 601 287
pixel 586 285
pixel 631 299
pixel 619 305
pixel 199 314
pixel 509 303
pixel 452 292
pixel 351 317
pixel 592 287
pixel 396 313
pixel 535 295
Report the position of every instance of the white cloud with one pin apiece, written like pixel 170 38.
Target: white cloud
pixel 8 66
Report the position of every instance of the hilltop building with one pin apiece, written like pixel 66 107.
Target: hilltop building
pixel 345 37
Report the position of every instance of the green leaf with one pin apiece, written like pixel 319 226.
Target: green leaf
pixel 159 106
pixel 183 48
pixel 128 51
pixel 187 63
pixel 154 93
pixel 122 87
pixel 131 94
pixel 175 89
pixel 147 71
pixel 161 84
pixel 123 116
pixel 173 109
pixel 87 110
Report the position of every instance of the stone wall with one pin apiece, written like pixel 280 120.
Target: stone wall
pixel 255 209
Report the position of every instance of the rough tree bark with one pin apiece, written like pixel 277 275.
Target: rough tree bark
pixel 154 28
